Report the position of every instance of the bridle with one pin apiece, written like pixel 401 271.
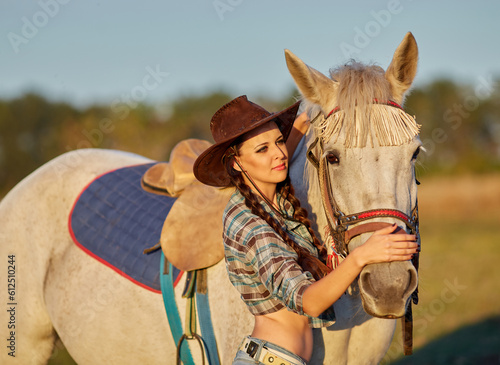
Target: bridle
pixel 339 224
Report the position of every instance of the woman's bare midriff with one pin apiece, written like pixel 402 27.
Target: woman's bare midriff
pixel 286 329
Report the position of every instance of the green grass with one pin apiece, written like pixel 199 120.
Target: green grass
pixel 60 356
pixel 472 344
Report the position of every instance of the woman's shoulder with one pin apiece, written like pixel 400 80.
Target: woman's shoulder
pixel 245 231
pixel 238 219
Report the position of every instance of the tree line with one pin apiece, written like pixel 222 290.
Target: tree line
pixel 460 127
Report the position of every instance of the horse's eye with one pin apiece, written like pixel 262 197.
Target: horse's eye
pixel 415 154
pixel 332 158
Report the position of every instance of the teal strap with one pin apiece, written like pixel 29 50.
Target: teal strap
pixel 207 330
pixel 174 320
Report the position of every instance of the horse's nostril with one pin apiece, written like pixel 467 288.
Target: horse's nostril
pixel 367 286
pixel 412 282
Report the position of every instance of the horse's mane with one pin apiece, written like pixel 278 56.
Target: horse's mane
pixel 359 119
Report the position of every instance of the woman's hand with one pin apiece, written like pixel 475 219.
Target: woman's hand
pixel 383 246
pixel 302 123
pixel 300 127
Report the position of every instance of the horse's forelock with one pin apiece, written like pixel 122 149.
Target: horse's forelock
pixel 358 86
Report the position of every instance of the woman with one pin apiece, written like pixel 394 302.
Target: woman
pixel 272 255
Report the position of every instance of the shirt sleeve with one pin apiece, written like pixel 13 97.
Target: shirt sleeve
pixel 277 267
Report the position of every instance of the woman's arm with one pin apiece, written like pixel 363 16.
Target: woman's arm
pixel 382 246
pixel 300 127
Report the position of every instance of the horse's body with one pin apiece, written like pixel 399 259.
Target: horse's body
pixel 102 317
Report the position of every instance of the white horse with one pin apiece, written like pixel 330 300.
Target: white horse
pixel 103 318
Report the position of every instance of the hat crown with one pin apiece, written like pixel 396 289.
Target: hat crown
pixel 236 117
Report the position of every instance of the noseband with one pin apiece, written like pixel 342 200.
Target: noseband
pixel 340 224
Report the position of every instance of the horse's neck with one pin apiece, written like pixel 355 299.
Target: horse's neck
pixel 297 168
pixel 300 182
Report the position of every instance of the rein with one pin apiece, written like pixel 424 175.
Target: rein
pixel 340 224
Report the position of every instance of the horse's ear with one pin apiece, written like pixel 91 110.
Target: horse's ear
pixel 403 67
pixel 313 85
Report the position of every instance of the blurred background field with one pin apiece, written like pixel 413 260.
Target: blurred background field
pixel 460 127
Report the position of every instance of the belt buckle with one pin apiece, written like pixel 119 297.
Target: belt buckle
pixel 252 348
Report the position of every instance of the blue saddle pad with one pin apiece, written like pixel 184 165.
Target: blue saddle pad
pixel 114 220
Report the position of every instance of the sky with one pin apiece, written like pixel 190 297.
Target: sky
pixel 93 51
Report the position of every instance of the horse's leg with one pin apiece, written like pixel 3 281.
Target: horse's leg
pixel 370 341
pixel 356 337
pixel 26 322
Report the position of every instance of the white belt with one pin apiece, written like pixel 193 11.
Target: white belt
pixel 267 356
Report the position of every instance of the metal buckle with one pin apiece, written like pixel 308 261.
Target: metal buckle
pixel 252 348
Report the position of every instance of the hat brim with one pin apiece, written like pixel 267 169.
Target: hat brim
pixel 209 168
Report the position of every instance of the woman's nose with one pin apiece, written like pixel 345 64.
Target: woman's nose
pixel 281 152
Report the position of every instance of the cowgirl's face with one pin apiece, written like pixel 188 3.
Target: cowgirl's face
pixel 264 157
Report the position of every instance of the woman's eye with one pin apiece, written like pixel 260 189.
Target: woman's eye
pixel 280 141
pixel 262 149
pixel 415 154
pixel 332 158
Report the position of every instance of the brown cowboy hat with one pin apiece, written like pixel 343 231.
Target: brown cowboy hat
pixel 233 120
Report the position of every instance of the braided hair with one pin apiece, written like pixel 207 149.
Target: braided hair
pixel 305 259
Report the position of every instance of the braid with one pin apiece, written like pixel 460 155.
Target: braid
pixel 305 259
pixel 300 214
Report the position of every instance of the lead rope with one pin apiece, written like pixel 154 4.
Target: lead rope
pixel 407 320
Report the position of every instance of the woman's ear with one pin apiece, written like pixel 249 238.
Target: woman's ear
pixel 235 164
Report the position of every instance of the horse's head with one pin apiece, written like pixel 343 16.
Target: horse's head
pixel 362 169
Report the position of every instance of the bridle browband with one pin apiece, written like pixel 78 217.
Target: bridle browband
pixel 339 225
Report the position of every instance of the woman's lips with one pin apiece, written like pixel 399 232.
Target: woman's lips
pixel 280 167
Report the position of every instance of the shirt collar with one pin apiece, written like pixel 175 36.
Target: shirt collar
pixel 285 207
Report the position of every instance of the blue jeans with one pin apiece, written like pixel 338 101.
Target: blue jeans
pixel 243 358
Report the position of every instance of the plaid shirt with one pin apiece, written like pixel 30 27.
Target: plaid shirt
pixel 261 266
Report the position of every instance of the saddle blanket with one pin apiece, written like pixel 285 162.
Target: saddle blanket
pixel 114 220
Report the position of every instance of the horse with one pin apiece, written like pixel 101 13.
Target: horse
pixel 60 292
